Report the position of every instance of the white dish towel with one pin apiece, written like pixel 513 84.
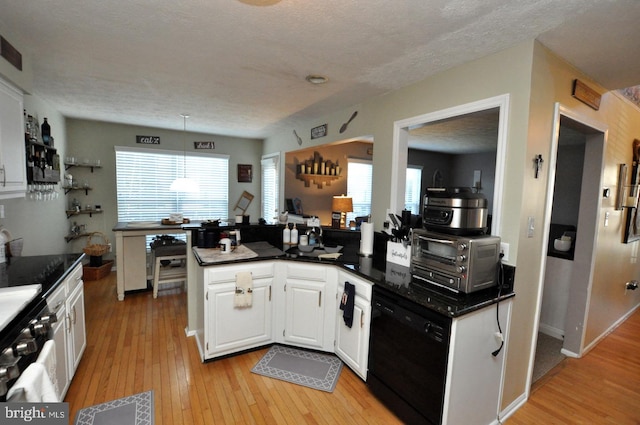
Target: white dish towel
pixel 244 290
pixel 33 386
pixel 47 358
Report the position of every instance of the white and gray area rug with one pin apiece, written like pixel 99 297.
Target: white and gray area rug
pixel 136 409
pixel 310 369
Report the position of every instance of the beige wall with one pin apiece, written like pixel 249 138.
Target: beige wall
pixel 534 80
pixel 96 140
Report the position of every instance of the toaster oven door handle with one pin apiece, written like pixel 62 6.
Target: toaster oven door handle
pixel 443 241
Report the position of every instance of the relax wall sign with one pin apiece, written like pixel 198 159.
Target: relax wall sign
pixel 148 140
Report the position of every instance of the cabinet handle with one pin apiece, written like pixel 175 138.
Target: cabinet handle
pixel 4 176
pixel 269 292
pixel 75 316
pixel 362 319
pixel 67 320
pixel 320 299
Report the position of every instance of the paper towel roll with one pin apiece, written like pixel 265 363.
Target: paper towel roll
pixel 366 238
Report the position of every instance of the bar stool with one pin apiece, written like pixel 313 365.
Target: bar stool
pixel 162 257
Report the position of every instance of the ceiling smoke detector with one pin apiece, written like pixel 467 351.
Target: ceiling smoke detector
pixel 316 79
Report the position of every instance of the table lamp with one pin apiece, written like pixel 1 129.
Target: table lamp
pixel 342 204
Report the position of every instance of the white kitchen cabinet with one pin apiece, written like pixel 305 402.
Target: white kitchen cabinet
pixel 310 301
pixel 474 376
pixel 352 343
pixel 57 303
pixel 304 313
pixel 69 331
pixel 77 333
pixel 13 174
pixel 229 329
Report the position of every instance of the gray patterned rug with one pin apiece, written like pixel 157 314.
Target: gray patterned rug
pixel 310 369
pixel 133 410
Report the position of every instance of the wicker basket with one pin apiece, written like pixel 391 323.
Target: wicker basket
pixel 96 249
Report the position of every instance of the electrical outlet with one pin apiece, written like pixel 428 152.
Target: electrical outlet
pixel 504 250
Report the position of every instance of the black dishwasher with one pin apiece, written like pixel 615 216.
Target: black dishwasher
pixel 408 353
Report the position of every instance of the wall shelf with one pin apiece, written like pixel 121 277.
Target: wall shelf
pixel 68 165
pixel 72 236
pixel 71 213
pixel 84 189
pixel 318 179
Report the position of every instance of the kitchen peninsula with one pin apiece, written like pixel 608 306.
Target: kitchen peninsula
pixel 295 301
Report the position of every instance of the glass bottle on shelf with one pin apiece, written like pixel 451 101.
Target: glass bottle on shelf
pixel 46 132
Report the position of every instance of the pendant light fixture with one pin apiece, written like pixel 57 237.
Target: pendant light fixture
pixel 183 184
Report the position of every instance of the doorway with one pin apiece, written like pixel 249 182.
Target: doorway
pixel 572 214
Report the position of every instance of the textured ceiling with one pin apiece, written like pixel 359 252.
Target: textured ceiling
pixel 238 67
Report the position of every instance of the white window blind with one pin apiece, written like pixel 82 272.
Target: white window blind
pixel 359 187
pixel 412 189
pixel 144 176
pixel 270 186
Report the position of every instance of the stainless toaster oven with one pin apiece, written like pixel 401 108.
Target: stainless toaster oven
pixel 459 263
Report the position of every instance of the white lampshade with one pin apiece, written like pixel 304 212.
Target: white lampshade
pixel 183 184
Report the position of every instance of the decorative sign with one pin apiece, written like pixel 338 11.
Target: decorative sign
pixel 586 94
pixel 148 140
pixel 244 173
pixel 204 145
pixel 320 131
pixel 10 53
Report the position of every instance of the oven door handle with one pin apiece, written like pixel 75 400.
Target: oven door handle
pixel 442 241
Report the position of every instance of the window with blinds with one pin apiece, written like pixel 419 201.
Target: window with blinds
pixel 412 189
pixel 143 177
pixel 270 186
pixel 359 187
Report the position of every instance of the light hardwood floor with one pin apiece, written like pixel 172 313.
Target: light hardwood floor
pixel 139 344
pixel 603 387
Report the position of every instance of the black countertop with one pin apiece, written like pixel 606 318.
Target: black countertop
pixel 47 270
pixel 394 278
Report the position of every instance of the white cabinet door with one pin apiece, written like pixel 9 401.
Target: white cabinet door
pixel 230 329
pixel 13 174
pixel 78 334
pixel 352 343
pixel 60 337
pixel 305 313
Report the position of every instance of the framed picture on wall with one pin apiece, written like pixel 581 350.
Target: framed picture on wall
pixel 632 227
pixel 244 173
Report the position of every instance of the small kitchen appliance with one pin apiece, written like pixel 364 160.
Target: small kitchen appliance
pixel 459 263
pixel 456 210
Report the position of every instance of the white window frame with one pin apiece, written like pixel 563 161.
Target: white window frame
pixel 413 191
pixel 270 187
pixel 358 194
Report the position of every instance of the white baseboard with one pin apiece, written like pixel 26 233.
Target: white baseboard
pixel 511 408
pixel 551 331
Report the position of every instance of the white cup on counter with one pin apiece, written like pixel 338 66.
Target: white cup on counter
pixel 304 240
pixel 225 246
